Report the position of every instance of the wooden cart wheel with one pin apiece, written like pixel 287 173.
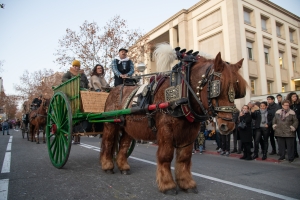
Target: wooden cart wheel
pixel 59 129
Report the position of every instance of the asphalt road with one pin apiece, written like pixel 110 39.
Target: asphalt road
pixel 32 176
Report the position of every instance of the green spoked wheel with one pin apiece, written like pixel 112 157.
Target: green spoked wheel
pixel 130 150
pixel 59 129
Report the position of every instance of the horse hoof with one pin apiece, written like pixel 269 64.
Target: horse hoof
pixel 192 190
pixel 172 191
pixel 125 172
pixel 109 171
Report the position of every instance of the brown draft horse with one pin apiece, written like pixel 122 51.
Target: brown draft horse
pixel 172 133
pixel 37 120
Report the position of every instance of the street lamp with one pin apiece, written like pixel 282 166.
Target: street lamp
pixel 141 67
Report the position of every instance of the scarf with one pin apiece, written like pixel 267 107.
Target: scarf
pixel 122 60
pixel 284 114
pixel 264 119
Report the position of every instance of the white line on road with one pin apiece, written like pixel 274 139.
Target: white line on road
pixel 6 163
pixel 10 139
pixel 3 189
pixel 218 180
pixel 8 148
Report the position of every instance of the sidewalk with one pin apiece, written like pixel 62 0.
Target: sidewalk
pixel 210 148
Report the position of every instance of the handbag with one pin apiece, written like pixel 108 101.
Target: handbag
pixel 242 125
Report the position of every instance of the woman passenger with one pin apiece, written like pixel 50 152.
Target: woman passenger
pixel 98 82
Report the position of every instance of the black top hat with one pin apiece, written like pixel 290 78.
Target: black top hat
pixel 123 49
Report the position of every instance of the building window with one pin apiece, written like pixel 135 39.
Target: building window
pixel 267 58
pixel 281 64
pixel 283 88
pixel 248 16
pixel 250 50
pixel 294 64
pixel 292 34
pixel 252 83
pixel 264 23
pixel 278 29
pixel 269 87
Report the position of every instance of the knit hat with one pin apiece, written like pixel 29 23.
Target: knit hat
pixel 76 63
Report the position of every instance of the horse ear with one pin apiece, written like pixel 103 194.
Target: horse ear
pixel 240 63
pixel 219 64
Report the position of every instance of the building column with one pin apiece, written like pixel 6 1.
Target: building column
pixel 173 37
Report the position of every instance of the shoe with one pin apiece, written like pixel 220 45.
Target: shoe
pixel 254 156
pixel 200 153
pixel 272 153
pixel 8 134
pixel 222 153
pixel 264 157
pixel 227 154
pixel 281 159
pixel 220 150
pixel 193 152
pixel 296 155
pixel 234 151
pixel 291 160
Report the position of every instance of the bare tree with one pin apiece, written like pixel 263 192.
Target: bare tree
pixel 92 45
pixel 36 83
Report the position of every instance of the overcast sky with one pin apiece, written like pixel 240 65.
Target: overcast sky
pixel 30 30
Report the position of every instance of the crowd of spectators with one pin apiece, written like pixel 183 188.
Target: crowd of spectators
pixel 265 121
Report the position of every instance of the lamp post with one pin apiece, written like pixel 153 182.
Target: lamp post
pixel 141 68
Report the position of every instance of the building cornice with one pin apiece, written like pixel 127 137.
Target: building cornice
pixel 280 9
pixel 183 11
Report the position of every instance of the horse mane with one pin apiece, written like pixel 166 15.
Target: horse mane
pixel 164 56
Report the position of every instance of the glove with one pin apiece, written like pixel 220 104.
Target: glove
pixel 292 128
pixel 274 126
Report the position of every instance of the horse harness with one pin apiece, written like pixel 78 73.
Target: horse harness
pixel 178 94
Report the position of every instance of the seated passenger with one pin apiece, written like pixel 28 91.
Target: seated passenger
pixel 74 71
pixel 98 82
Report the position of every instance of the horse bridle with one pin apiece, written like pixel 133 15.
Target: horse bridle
pixel 213 91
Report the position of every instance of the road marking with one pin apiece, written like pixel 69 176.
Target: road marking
pixel 272 194
pixel 10 139
pixel 8 148
pixel 6 163
pixel 4 188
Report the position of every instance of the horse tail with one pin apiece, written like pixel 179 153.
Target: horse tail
pixel 164 56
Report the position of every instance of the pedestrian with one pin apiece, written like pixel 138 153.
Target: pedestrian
pixel 272 108
pixel 236 142
pixel 97 81
pixel 246 132
pixel 262 124
pixel 75 71
pixel 18 123
pixel 285 123
pixel 122 67
pixel 5 126
pixel 295 106
pixel 279 99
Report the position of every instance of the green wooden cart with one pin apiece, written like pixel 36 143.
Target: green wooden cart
pixel 64 112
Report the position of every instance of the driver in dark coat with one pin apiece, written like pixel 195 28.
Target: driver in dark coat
pixel 122 67
pixel 37 102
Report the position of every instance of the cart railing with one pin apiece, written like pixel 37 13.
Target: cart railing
pixel 72 89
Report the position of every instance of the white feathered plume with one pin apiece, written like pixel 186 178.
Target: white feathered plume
pixel 164 56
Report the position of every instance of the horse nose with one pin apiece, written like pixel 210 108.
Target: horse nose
pixel 223 127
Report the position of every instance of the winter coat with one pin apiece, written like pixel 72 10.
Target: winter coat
pixel 72 73
pixel 296 109
pixel 246 134
pixel 98 82
pixel 272 108
pixel 286 127
pixel 256 116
